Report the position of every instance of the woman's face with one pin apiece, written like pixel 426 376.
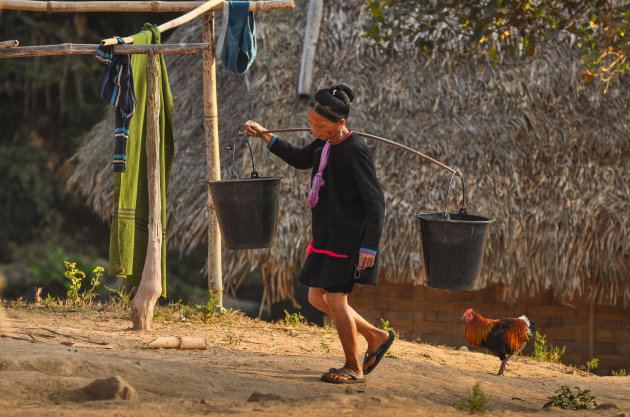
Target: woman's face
pixel 323 128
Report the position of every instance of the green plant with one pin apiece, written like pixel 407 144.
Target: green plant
pixel 325 346
pixel 592 364
pixel 120 295
pixel 77 297
pixel 546 353
pixel 476 402
pixel 233 339
pixel 50 302
pixel 293 320
pixel 212 308
pixel 621 372
pixel 392 356
pixel 566 399
pixel 385 325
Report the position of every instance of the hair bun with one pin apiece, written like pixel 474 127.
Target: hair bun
pixel 346 89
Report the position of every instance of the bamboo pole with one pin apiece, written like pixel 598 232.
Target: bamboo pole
pixel 213 163
pixel 9 44
pixel 177 342
pixel 90 49
pixel 150 287
pixel 311 34
pixel 379 139
pixel 130 6
pixel 173 23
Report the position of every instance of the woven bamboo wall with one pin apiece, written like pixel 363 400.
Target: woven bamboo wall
pixel 434 316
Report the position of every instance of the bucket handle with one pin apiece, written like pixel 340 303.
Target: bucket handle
pixel 462 209
pixel 233 175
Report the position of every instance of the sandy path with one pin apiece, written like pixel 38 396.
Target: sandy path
pixel 257 368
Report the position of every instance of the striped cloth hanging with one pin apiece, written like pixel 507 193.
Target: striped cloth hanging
pixel 116 86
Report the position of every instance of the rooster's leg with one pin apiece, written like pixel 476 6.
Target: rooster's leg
pixel 501 368
pixel 503 363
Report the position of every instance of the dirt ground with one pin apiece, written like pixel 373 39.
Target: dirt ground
pixel 252 367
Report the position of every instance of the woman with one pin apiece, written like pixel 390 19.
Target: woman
pixel 347 205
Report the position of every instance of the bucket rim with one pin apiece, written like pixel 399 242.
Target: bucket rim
pixel 485 220
pixel 244 180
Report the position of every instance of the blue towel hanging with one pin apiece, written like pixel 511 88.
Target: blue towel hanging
pixel 237 41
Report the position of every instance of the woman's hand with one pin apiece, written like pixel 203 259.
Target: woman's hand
pixel 366 260
pixel 253 128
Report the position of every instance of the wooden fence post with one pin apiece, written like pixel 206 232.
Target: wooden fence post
pixel 150 287
pixel 213 162
pixel 591 327
pixel 311 34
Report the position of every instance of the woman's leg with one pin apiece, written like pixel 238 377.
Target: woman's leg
pixel 347 331
pixel 374 336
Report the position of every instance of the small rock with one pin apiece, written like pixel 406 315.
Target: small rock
pixel 606 406
pixel 569 371
pixel 110 389
pixel 463 348
pixel 259 396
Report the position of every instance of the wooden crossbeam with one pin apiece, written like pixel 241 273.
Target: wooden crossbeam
pixel 89 49
pixel 198 11
pixel 131 6
pixel 9 44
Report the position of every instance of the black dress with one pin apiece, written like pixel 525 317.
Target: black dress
pixel 349 215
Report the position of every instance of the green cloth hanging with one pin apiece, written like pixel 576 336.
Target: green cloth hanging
pixel 130 219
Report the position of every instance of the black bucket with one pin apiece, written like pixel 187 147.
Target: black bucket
pixel 452 247
pixel 247 209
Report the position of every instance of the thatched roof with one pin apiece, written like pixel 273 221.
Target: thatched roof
pixel 543 153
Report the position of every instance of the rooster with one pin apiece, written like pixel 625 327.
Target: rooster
pixel 503 337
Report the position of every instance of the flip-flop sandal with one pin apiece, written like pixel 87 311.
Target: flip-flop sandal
pixel 352 380
pixel 380 352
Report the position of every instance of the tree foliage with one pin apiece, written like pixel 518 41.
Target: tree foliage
pixel 48 104
pixel 599 29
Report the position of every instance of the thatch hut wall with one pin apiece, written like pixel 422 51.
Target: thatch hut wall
pixel 543 153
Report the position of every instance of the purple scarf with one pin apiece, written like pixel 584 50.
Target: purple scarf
pixel 318 181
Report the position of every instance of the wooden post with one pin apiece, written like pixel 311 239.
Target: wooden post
pixel 591 328
pixel 150 287
pixel 311 34
pixel 4 324
pixel 213 163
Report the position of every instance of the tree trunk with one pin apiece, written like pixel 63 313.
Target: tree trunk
pixel 150 287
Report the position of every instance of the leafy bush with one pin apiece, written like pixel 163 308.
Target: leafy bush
pixel 385 325
pixel 77 297
pixel 621 372
pixel 477 401
pixel 592 364
pixel 565 398
pixel 121 295
pixel 26 195
pixel 546 353
pixel 294 319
